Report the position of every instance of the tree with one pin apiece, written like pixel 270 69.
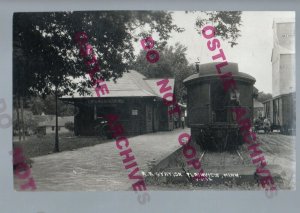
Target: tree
pixel 47 105
pixel 227 24
pixel 47 57
pixel 262 97
pixel 30 122
pixel 172 64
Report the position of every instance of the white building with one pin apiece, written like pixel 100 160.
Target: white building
pixel 48 126
pixel 283 57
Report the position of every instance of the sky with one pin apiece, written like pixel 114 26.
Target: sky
pixel 254 49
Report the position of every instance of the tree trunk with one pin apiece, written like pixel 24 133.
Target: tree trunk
pixel 22 118
pixel 18 117
pixel 56 148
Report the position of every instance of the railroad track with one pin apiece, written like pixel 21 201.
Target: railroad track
pixel 240 156
pixel 202 155
pixel 226 161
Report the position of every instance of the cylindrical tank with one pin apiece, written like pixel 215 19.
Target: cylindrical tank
pixel 209 106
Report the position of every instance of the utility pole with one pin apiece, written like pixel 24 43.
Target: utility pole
pixel 56 148
pixel 18 117
pixel 22 118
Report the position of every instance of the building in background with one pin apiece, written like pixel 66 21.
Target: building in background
pixel 258 108
pixel 48 126
pixel 283 57
pixel 281 109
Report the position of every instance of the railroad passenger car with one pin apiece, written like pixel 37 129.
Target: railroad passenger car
pixel 210 117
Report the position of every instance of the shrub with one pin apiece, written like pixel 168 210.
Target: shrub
pixel 70 126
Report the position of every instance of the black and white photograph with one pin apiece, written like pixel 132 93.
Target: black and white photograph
pixel 154 100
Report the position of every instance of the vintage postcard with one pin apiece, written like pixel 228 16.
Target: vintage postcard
pixel 154 100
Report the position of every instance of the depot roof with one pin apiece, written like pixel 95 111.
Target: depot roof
pixel 131 84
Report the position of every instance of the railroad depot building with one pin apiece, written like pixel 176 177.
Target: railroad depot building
pixel 134 98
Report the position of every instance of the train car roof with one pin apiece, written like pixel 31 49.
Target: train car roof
pixel 210 70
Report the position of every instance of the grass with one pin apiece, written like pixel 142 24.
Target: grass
pixel 37 146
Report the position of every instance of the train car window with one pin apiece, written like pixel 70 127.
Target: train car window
pixel 235 95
